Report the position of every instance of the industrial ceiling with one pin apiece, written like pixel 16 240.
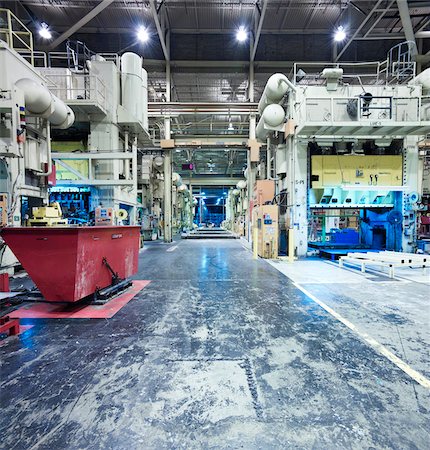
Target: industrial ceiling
pixel 196 39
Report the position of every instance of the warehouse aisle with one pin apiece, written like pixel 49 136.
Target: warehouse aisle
pixel 219 351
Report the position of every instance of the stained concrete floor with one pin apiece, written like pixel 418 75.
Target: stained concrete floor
pixel 218 352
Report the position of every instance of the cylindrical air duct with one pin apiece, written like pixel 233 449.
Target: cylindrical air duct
pixel 273 116
pixel 131 84
pixel 39 101
pixel 63 116
pixel 277 86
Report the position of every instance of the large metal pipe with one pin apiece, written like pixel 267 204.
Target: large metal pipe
pixel 39 101
pixel 273 116
pixel 277 86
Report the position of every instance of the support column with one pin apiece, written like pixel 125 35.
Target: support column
pixel 167 167
pixel 252 125
pixel 134 177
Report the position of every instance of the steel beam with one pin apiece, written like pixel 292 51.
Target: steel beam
pixel 378 19
pixel 160 31
pixel 351 39
pixel 211 31
pixel 80 23
pixel 258 31
pixel 214 181
pixel 175 108
pixel 407 24
pixel 94 182
pixel 91 155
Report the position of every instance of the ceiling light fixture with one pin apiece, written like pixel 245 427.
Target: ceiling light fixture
pixel 241 34
pixel 340 34
pixel 142 34
pixel 44 31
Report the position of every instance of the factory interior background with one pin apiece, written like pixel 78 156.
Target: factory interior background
pixel 215 224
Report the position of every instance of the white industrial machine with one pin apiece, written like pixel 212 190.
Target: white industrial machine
pixel 342 143
pixel 28 112
pixel 109 97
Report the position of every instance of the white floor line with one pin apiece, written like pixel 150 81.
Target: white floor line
pixel 420 379
pixel 171 249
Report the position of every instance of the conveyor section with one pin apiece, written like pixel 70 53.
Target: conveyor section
pixel 209 233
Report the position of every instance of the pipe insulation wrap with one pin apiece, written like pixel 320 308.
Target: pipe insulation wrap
pixel 40 101
pixel 277 86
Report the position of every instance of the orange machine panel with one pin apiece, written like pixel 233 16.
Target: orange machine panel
pixel 264 191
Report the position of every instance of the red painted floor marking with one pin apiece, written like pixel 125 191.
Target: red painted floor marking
pixel 71 311
pixel 23 328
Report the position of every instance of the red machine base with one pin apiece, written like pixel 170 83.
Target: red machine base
pixel 79 311
pixel 8 325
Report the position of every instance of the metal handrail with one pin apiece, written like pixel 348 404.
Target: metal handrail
pixel 37 56
pixel 92 88
pixel 13 35
pixel 361 114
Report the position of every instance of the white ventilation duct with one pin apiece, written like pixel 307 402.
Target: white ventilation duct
pixel 277 86
pixel 40 102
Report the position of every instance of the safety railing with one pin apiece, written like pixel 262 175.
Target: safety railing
pixel 397 67
pixel 400 61
pixel 364 108
pixel 15 33
pixel 78 87
pixel 309 73
pixel 39 58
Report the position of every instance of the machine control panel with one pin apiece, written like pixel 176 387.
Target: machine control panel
pixel 104 216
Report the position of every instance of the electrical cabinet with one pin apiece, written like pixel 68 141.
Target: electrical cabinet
pixel 266 222
pixel 3 209
pixel 104 216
